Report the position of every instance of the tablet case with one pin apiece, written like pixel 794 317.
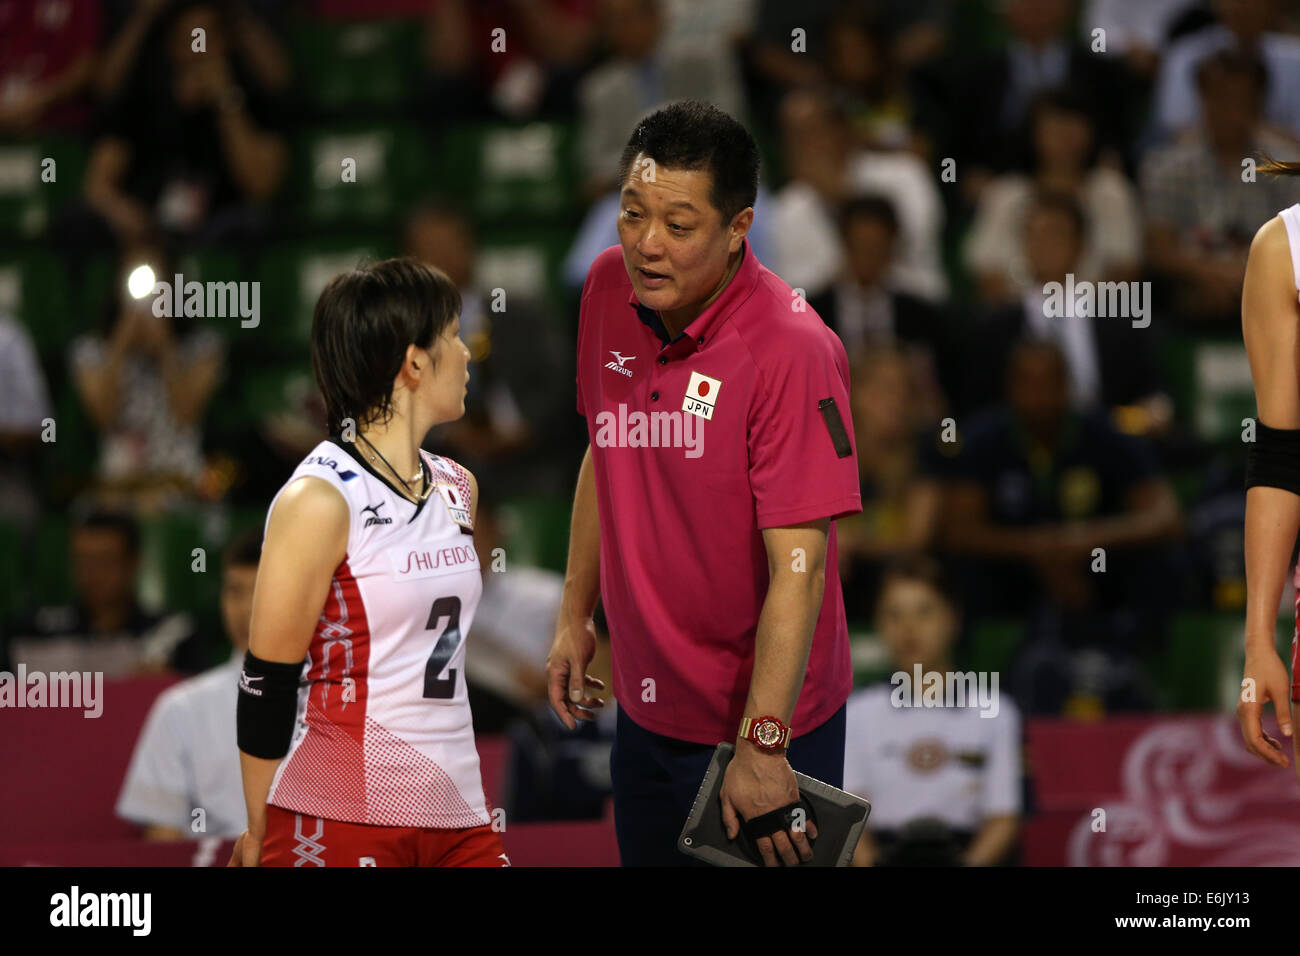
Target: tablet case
pixel 839 817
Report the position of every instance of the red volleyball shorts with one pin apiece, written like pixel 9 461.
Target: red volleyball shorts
pixel 300 839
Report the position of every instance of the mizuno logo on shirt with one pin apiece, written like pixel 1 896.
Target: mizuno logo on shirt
pixel 618 366
pixel 374 512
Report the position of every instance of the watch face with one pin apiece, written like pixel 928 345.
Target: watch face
pixel 768 733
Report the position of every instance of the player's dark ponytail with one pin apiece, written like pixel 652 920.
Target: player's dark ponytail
pixel 363 323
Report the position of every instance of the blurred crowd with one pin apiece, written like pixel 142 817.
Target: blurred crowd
pixel 931 168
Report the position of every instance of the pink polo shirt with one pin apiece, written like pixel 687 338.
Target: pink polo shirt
pixel 683 497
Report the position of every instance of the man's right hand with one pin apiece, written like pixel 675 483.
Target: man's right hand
pixel 1269 681
pixel 566 670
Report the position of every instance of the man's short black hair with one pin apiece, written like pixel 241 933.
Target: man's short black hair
pixel 103 519
pixel 873 208
pixel 243 550
pixel 693 135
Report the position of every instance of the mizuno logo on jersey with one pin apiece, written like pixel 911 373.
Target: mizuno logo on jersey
pixel 621 361
pixel 374 515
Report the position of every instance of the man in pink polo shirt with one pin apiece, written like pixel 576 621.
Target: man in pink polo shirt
pixel 717 407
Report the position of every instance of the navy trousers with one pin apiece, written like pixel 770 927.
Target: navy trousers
pixel 656 778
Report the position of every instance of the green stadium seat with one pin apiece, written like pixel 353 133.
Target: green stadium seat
pixel 512 171
pixel 1224 392
pixel 66 465
pixel 367 64
pixel 993 645
pixel 535 531
pixel 51 575
pixel 292 277
pixel 392 164
pixel 27 200
pixel 167 576
pixel 1198 659
pixel 34 288
pixel 525 262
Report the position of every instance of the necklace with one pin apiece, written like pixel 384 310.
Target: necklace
pixel 420 495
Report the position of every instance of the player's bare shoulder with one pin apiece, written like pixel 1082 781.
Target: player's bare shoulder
pixel 310 508
pixel 1270 284
pixel 1270 242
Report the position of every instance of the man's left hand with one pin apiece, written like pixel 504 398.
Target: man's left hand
pixel 756 783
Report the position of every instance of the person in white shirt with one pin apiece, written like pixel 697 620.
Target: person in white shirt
pixel 184 780
pixel 825 169
pixel 946 776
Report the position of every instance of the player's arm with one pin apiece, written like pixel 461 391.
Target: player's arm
pixel 575 633
pixel 759 782
pixel 1268 324
pixel 306 540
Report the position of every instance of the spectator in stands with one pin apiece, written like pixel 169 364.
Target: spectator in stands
pixel 1038 486
pixel 944 782
pixel 186 759
pixel 137 28
pixel 1111 362
pixel 516 422
pixel 1139 31
pixel 824 171
pixel 885 111
pixel 510 58
pixel 863 308
pixel 105 629
pixel 24 408
pixel 644 71
pixel 1065 149
pixel 897 465
pixel 222 156
pixel 991 99
pixel 1251 27
pixel 47 62
pixel 1201 209
pixel 145 382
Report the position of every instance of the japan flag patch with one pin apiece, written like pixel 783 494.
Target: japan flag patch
pixel 456 506
pixel 701 395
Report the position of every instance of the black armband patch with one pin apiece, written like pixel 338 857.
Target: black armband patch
pixel 835 425
pixel 267 707
pixel 1274 458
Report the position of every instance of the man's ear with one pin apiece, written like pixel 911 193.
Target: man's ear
pixel 739 228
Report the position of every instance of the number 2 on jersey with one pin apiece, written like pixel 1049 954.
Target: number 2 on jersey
pixel 435 687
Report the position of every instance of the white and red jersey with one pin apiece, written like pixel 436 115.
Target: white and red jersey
pixel 383 733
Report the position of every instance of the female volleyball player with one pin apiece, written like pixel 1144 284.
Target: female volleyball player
pixel 1270 320
pixel 354 727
